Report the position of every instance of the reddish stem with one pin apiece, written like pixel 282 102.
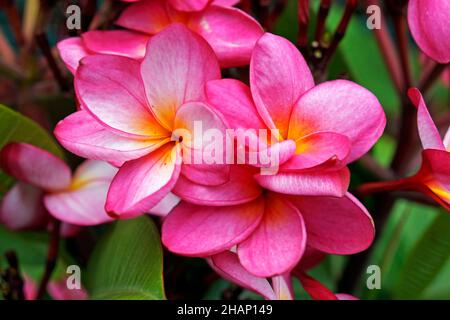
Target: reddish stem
pixel 303 21
pixel 324 8
pixel 52 256
pixel 383 186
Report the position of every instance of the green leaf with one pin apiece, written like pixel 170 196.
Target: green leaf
pixel 127 263
pixel 16 127
pixel 426 259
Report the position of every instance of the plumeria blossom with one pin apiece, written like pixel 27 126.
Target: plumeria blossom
pixel 133 115
pixel 46 185
pixel 433 177
pixel 270 230
pixel 428 22
pixel 230 32
pixel 318 128
pixel 279 287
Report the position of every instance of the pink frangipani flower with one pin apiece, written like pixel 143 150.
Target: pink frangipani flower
pixel 231 32
pixel 270 230
pixel 433 177
pixel 46 185
pixel 132 114
pixel 321 127
pixel 428 22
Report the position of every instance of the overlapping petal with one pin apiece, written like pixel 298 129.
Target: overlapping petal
pixel 239 189
pixel 111 89
pixel 142 183
pixel 72 50
pixel 342 107
pixel 193 230
pixel 428 133
pixel 148 16
pixel 33 165
pixel 278 76
pixel 231 33
pixel 228 266
pixel 82 134
pixel 117 42
pixel 336 225
pixel 309 183
pixel 177 65
pixel 278 243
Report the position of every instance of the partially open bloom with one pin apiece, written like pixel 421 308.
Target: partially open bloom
pixel 134 115
pixel 428 22
pixel 46 185
pixel 270 230
pixel 318 128
pixel 230 32
pixel 433 177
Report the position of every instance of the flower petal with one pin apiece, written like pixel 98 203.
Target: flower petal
pixel 278 243
pixel 310 183
pixel 342 107
pixel 92 170
pixel 193 230
pixel 228 266
pixel 447 140
pixel 315 289
pixel 282 285
pixel 140 184
pixel 278 76
pixel 72 50
pixel 429 134
pixel 203 140
pixel 226 3
pixel 428 22
pixel 177 65
pixel 189 5
pixel 148 16
pixel 166 205
pixel 336 225
pixel 117 42
pixel 231 33
pixel 22 208
pixel 317 148
pixel 233 100
pixel 83 206
pixel 84 136
pixel 111 89
pixel 36 166
pixel 240 188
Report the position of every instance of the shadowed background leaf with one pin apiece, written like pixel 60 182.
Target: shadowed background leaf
pixel 127 263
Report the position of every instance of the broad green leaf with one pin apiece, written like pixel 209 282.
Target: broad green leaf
pixel 15 127
pixel 426 259
pixel 127 263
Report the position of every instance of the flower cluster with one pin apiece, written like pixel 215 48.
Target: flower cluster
pixel 165 134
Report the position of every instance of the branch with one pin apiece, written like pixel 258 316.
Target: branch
pixel 430 77
pixel 52 256
pixel 13 289
pixel 303 21
pixel 43 44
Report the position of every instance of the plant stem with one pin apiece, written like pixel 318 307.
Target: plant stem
pixel 430 77
pixel 52 255
pixel 303 21
pixel 322 14
pixel 350 7
pixel 383 186
pixel 42 42
pixel 13 289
